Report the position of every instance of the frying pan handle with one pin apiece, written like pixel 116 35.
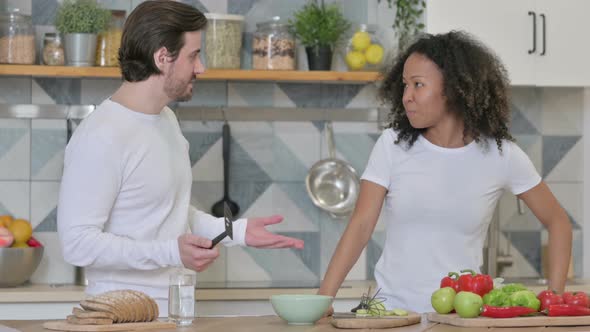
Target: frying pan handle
pixel 225 153
pixel 330 138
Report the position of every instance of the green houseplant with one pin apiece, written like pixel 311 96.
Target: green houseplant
pixel 319 27
pixel 407 19
pixel 80 21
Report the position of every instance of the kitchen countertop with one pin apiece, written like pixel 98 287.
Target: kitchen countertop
pixel 219 291
pixel 205 291
pixel 273 323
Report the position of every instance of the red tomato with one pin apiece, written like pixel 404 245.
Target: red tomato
pixel 576 298
pixel 549 297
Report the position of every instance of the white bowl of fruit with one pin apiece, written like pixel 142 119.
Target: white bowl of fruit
pixel 20 252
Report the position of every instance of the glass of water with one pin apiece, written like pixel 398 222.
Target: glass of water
pixel 181 298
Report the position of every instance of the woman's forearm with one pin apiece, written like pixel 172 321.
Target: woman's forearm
pixel 348 251
pixel 560 245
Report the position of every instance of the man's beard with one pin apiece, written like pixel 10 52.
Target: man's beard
pixel 175 90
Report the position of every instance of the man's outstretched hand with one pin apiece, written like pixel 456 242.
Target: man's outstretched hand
pixel 257 236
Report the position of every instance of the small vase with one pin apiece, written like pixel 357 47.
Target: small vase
pixel 319 57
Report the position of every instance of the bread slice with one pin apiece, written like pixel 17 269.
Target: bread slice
pixel 81 313
pixel 89 321
pixel 91 305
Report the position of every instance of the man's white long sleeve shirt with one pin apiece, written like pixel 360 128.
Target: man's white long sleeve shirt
pixel 125 199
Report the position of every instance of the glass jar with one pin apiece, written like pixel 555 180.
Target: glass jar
pixel 363 50
pixel 223 41
pixel 17 38
pixel 53 51
pixel 273 46
pixel 109 41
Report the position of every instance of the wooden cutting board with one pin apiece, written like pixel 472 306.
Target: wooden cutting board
pixel 542 320
pixel 63 325
pixel 349 321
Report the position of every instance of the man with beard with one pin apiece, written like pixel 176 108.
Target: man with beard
pixel 124 209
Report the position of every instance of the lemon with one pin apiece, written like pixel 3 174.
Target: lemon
pixel 19 245
pixel 361 40
pixel 21 229
pixel 5 221
pixel 374 54
pixel 355 60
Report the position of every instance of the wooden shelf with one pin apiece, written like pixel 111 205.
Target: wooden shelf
pixel 212 74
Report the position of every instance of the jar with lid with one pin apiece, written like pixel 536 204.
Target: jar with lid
pixel 273 46
pixel 17 38
pixel 364 51
pixel 223 41
pixel 53 51
pixel 109 41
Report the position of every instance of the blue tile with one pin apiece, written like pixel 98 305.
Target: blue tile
pixel 44 12
pixel 338 95
pixel 520 125
pixel 246 193
pixel 528 243
pixel 554 149
pixel 255 94
pixel 239 7
pixel 197 4
pixel 15 90
pixel 45 143
pixel 303 95
pixel 9 137
pixel 200 143
pixel 286 165
pixel 297 192
pixel 310 253
pixel 49 223
pixel 356 149
pixel 63 90
pixel 282 264
pixel 210 94
pixel 243 167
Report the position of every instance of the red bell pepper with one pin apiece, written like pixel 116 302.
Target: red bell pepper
pixel 567 310
pixel 450 281
pixel 480 284
pixel 576 298
pixel 505 312
pixel 549 297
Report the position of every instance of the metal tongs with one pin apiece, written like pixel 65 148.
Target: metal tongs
pixel 229 230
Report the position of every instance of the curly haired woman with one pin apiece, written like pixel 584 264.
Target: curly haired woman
pixel 437 174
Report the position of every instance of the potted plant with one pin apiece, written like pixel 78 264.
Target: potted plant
pixel 407 19
pixel 319 27
pixel 80 21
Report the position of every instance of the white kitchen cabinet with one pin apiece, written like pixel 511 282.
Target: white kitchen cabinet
pixel 541 42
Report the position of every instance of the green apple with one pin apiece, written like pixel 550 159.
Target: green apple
pixel 442 300
pixel 468 305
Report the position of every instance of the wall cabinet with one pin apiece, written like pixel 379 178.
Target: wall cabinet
pixel 541 42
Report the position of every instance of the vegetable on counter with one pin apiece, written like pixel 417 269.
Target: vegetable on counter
pixel 524 298
pixel 549 297
pixel 576 298
pixel 496 298
pixel 451 280
pixel 506 312
pixel 567 310
pixel 480 284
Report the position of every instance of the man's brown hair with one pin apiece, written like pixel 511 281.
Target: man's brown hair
pixel 152 25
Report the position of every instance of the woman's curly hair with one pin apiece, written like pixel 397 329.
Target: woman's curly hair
pixel 475 85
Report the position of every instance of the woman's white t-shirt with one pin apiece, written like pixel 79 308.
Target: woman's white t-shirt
pixel 438 206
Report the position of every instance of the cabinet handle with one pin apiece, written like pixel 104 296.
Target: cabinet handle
pixel 534 32
pixel 544 41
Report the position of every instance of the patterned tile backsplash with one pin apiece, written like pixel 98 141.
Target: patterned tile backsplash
pixel 269 161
